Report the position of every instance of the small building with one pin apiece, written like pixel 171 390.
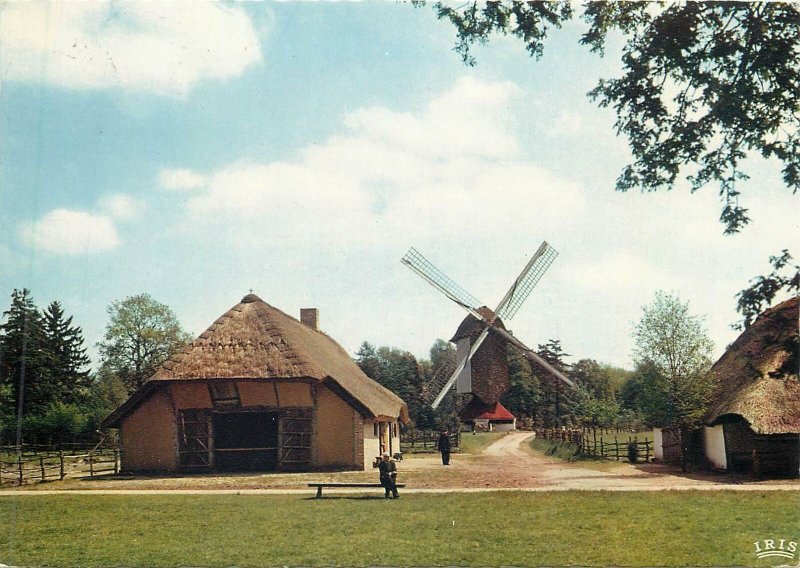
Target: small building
pixel 754 422
pixel 478 416
pixel 259 390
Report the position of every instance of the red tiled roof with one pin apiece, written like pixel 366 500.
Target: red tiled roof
pixel 477 410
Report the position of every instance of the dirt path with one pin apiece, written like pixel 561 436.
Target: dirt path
pixel 508 464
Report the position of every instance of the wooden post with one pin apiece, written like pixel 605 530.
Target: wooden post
pixel 116 461
pixel 616 448
pixel 61 464
pixel 19 465
pixel 91 464
pixel 41 467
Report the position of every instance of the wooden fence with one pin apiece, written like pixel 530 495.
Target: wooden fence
pixel 36 465
pixel 623 447
pixel 426 440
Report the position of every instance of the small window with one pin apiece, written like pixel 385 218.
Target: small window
pixel 224 394
pixel 375 429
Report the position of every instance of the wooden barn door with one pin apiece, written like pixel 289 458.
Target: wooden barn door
pixel 296 427
pixel 195 449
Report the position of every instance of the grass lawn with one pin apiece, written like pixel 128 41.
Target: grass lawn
pixel 487 529
pixel 476 443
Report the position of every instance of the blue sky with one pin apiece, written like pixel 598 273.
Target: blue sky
pixel 299 149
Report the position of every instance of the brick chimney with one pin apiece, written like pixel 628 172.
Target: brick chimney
pixel 310 317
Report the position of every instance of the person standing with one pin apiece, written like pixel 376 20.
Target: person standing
pixel 443 445
pixel 388 476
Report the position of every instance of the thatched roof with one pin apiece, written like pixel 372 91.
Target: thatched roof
pixel 254 340
pixel 758 374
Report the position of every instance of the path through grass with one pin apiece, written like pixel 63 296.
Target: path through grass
pixel 488 529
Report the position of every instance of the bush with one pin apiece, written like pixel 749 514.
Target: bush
pixel 61 423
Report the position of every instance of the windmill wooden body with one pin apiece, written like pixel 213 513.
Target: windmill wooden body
pixel 481 339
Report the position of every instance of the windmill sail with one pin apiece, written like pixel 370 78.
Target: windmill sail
pixel 526 281
pixel 506 309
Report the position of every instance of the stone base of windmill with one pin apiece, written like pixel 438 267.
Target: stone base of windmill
pixel 479 416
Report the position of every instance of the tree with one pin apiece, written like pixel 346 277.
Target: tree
pixel 597 397
pixel 68 361
pixel 24 356
pixel 140 335
pixel 673 355
pixel 524 393
pixel 703 86
pixel 557 404
pixel 762 291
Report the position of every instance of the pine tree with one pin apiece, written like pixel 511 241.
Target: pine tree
pixel 524 393
pixel 558 405
pixel 68 361
pixel 24 360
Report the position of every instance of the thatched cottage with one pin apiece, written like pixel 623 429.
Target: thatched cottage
pixel 259 390
pixel 754 423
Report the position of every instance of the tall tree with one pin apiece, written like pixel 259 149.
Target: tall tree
pixel 524 392
pixel 68 361
pixel 597 402
pixel 24 357
pixel 557 403
pixel 673 355
pixel 140 335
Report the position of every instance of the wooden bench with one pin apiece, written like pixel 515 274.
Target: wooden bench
pixel 319 486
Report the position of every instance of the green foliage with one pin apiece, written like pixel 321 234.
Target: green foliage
pixel 60 423
pixel 672 356
pixel 68 361
pixel 23 348
pixel 762 291
pixel 140 335
pixel 597 396
pixel 555 448
pixel 413 380
pixel 48 349
pixel 702 85
pixel 524 393
pixel 529 21
pixel 557 406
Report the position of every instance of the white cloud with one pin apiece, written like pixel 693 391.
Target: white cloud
pixel 181 179
pixel 64 231
pixel 121 206
pixel 159 47
pixel 455 166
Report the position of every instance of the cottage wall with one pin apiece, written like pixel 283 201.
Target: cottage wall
pixel 257 393
pixel 372 444
pixel 714 445
pixel 336 428
pixel 190 395
pixel 149 438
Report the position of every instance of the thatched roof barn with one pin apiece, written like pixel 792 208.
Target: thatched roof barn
pixel 259 390
pixel 754 422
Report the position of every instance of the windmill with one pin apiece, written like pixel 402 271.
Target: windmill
pixel 469 339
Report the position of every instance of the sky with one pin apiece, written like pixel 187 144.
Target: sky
pixel 298 150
